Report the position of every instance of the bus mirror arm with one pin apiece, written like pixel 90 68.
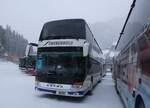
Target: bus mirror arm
pixel 85 49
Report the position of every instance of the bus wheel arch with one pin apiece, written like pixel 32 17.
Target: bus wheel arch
pixel 139 103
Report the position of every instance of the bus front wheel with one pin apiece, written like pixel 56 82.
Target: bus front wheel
pixel 139 103
pixel 117 91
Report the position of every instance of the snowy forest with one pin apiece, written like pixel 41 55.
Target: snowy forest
pixel 12 44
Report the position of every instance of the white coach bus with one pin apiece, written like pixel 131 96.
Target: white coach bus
pixel 69 59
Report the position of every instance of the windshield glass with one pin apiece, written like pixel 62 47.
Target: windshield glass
pixel 31 62
pixel 63 64
pixel 33 50
pixel 70 29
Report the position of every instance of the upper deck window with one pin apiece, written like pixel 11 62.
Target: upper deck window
pixel 148 35
pixel 142 43
pixel 64 29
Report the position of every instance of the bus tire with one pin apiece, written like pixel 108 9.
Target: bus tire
pixel 139 103
pixel 100 79
pixel 117 91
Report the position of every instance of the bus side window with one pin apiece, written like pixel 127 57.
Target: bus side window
pixel 148 35
pixel 118 70
pixel 89 64
pixel 142 43
pixel 133 53
pixel 143 54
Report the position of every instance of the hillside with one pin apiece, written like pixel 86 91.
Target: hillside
pixel 107 32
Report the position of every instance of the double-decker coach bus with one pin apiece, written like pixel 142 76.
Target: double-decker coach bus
pixel 28 62
pixel 22 63
pixel 69 59
pixel 31 55
pixel 132 65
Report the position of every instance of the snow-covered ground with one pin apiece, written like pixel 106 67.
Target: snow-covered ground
pixel 17 91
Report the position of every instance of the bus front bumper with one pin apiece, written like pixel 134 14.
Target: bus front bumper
pixel 62 92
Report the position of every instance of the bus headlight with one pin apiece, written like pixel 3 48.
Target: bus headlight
pixel 77 84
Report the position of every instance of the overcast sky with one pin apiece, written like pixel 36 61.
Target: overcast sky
pixel 28 16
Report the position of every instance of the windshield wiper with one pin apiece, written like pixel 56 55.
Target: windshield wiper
pixel 51 72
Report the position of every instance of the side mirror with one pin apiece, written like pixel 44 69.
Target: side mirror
pixel 85 49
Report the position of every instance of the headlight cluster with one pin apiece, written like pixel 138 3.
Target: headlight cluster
pixel 77 86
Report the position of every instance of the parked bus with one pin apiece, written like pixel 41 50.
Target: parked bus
pixel 31 55
pixel 132 65
pixel 69 59
pixel 28 62
pixel 22 63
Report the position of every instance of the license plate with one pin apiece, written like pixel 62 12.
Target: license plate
pixel 61 92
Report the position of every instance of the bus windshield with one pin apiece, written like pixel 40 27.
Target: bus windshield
pixel 63 30
pixel 62 64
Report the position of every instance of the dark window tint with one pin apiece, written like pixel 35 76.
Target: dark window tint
pixel 133 49
pixel 148 35
pixel 68 64
pixel 60 49
pixel 142 43
pixel 134 53
pixel 64 29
